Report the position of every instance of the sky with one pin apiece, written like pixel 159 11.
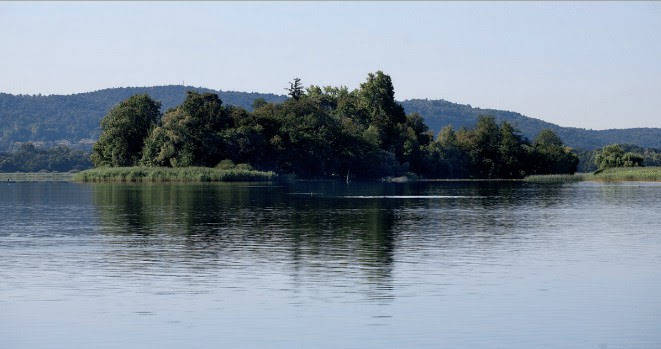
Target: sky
pixel 584 64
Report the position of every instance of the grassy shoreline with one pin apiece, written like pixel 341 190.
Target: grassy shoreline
pixel 558 178
pixel 36 176
pixel 167 174
pixel 619 174
pixel 644 174
pixel 205 174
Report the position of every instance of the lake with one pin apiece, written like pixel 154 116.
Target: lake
pixel 330 265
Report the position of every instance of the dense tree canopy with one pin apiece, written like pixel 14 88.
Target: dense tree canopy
pixel 550 155
pixel 124 130
pixel 29 158
pixel 189 134
pixel 324 132
pixel 592 160
pixel 614 156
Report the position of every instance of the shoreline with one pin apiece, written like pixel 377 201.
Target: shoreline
pixel 169 174
pixel 205 175
pixel 616 174
pixel 13 177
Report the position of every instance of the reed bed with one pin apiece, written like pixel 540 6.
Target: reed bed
pixel 643 174
pixel 646 174
pixel 167 174
pixel 558 178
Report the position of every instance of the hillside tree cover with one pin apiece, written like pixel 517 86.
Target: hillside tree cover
pixel 440 113
pixel 322 132
pixel 29 158
pixel 47 120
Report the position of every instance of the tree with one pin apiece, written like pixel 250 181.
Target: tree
pixel 614 156
pixel 327 132
pixel 512 153
pixel 189 135
pixel 124 130
pixel 416 140
pixel 29 158
pixel 455 158
pixel 384 116
pixel 258 103
pixel 482 145
pixel 632 160
pixel 547 137
pixel 549 155
pixel 295 89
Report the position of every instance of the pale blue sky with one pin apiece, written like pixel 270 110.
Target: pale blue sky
pixel 585 64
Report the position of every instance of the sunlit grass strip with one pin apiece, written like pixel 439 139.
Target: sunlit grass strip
pixel 167 174
pixel 558 178
pixel 35 176
pixel 647 174
pixel 643 174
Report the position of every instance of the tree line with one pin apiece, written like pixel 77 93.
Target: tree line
pixel 51 119
pixel 618 155
pixel 322 132
pixel 28 158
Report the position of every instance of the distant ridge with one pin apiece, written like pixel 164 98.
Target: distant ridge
pixel 439 113
pixel 74 119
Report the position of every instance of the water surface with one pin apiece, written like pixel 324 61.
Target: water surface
pixel 330 265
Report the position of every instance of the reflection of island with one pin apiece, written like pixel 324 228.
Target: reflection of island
pixel 207 227
pixel 322 237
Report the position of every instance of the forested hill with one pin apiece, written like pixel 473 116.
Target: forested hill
pixel 74 119
pixel 439 113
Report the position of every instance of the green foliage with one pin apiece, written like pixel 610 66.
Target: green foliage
pixel 124 130
pixel 441 113
pixel 29 158
pixel 258 103
pixel 225 164
pixel 167 174
pixel 228 164
pixel 189 134
pixel 496 151
pixel 652 174
pixel 558 178
pixel 334 132
pixel 614 156
pixel 385 117
pixel 50 120
pixel 547 138
pixel 295 89
pixel 549 155
pixel 630 174
pixel 650 157
pixel 449 160
pixel 482 145
pixel 74 119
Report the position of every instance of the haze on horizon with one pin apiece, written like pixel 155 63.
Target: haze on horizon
pixel 592 65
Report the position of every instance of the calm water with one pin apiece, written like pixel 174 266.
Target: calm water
pixel 326 265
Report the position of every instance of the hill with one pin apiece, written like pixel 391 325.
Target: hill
pixel 74 119
pixel 439 113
